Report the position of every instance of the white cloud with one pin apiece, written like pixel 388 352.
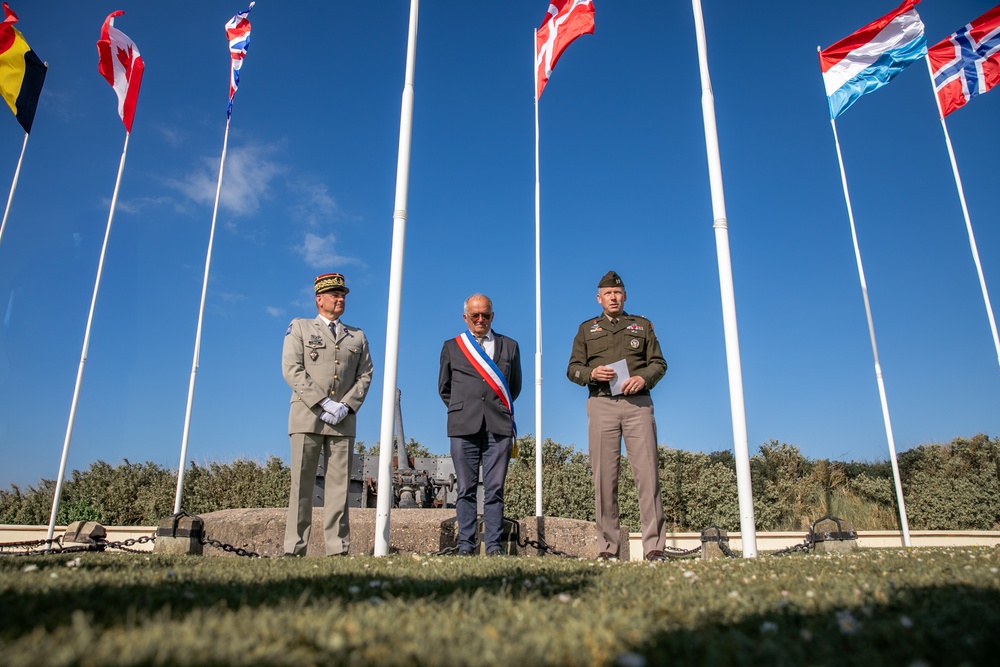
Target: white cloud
pixel 274 311
pixel 320 252
pixel 314 203
pixel 247 180
pixel 138 204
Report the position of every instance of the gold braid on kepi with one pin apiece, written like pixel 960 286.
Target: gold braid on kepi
pixel 329 282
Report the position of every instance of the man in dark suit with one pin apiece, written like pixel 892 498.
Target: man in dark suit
pixel 480 378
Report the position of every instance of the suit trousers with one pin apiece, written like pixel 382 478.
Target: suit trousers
pixel 610 418
pixel 306 450
pixel 492 451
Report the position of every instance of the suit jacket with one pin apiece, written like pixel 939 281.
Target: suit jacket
pixel 469 399
pixel 316 366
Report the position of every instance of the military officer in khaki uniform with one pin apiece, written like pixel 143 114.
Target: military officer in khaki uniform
pixel 329 368
pixel 611 337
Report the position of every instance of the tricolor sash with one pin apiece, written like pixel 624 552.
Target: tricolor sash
pixel 488 370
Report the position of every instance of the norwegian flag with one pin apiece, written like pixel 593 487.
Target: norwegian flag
pixel 565 21
pixel 122 66
pixel 967 63
pixel 238 33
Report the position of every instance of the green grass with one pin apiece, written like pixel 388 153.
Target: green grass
pixel 872 607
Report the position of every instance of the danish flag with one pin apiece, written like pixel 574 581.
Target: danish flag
pixel 122 66
pixel 967 63
pixel 565 21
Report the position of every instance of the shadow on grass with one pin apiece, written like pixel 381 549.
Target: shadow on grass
pixel 111 590
pixel 945 625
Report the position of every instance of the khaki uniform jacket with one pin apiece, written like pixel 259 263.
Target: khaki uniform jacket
pixel 317 366
pixel 599 343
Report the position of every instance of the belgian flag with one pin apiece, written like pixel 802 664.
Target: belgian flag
pixel 21 71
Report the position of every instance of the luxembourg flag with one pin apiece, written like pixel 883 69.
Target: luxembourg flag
pixel 967 63
pixel 872 57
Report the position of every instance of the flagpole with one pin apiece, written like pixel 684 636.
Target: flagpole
pixel 538 301
pixel 748 531
pixel 871 332
pixel 83 354
pixel 965 212
pixel 13 186
pixel 197 337
pixel 385 493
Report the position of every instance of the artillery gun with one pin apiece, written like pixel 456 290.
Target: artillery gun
pixel 416 481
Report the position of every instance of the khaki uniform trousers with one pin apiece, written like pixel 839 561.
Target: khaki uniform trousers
pixel 306 450
pixel 610 418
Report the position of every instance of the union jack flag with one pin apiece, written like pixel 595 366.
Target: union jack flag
pixel 238 32
pixel 967 63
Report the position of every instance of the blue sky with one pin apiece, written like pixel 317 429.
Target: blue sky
pixel 309 188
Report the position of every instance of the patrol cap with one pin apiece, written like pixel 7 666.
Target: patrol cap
pixel 611 279
pixel 329 282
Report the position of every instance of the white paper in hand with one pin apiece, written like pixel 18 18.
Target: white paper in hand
pixel 620 368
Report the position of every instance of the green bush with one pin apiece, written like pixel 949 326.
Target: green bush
pixel 954 486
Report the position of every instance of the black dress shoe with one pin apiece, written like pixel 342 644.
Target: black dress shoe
pixel 496 552
pixel 606 555
pixel 466 552
pixel 656 557
pixel 290 556
pixel 342 553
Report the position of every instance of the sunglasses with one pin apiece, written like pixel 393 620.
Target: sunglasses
pixel 479 316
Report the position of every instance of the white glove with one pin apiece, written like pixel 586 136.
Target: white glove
pixel 328 417
pixel 334 409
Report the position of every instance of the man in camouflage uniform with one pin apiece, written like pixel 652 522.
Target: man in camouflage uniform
pixel 617 408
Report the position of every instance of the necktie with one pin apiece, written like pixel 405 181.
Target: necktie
pixel 333 329
pixel 482 341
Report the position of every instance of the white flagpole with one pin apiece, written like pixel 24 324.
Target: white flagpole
pixel 871 332
pixel 538 302
pixel 748 531
pixel 197 336
pixel 13 186
pixel 389 377
pixel 83 354
pixel 965 212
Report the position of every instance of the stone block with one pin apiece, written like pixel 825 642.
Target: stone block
pixel 180 534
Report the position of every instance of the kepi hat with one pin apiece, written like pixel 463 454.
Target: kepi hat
pixel 328 282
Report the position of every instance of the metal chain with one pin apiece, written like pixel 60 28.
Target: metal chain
pixel 676 552
pixel 123 545
pixel 806 546
pixel 538 544
pixel 229 548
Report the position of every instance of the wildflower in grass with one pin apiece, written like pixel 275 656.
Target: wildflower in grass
pixel 564 597
pixel 768 626
pixel 32 568
pixel 806 634
pixel 906 621
pixel 846 622
pixel 353 590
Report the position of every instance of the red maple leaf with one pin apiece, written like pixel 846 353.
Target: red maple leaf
pixel 125 57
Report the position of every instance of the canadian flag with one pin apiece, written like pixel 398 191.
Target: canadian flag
pixel 565 21
pixel 122 66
